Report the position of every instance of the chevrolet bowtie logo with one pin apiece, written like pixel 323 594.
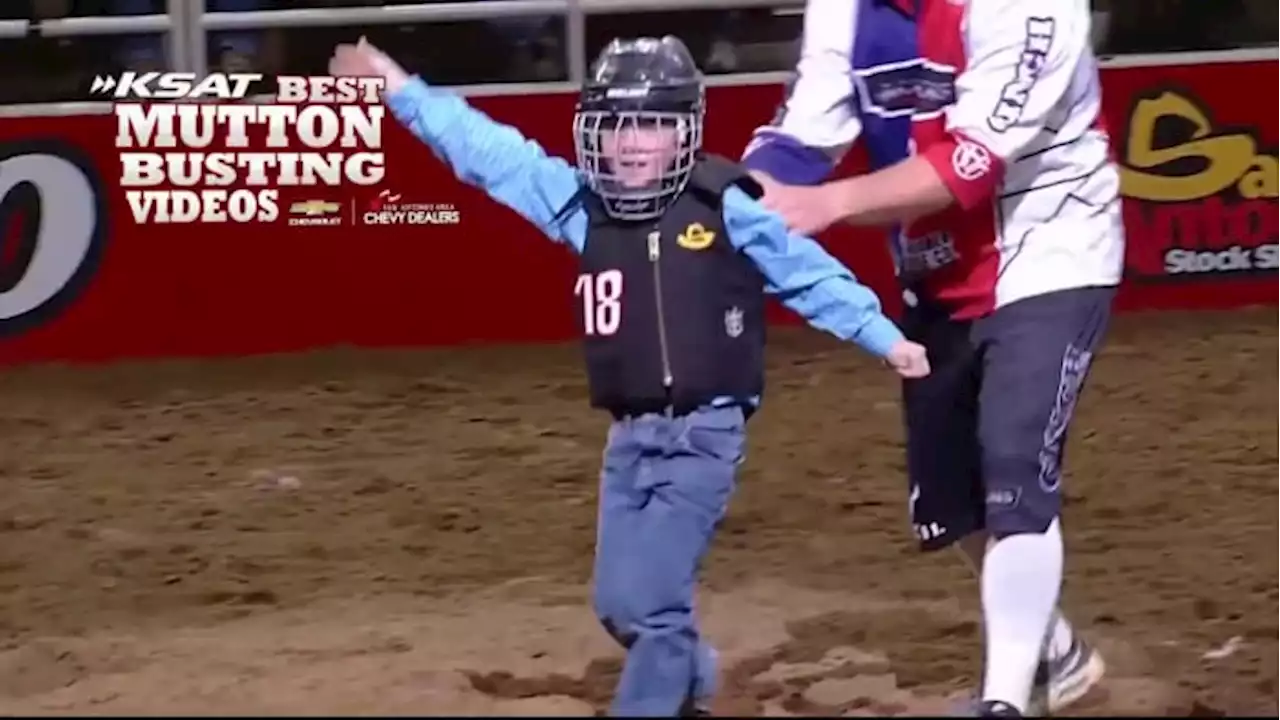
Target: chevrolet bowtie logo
pixel 314 207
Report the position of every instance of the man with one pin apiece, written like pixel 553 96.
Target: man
pixel 675 258
pixel 991 167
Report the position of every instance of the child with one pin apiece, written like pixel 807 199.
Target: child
pixel 675 259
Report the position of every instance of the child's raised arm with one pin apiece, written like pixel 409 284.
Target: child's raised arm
pixel 494 157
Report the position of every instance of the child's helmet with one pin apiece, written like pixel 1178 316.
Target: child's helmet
pixel 637 85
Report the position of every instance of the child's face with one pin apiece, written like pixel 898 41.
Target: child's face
pixel 640 151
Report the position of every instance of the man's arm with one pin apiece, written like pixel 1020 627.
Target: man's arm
pixel 817 122
pixel 806 278
pixel 1023 58
pixel 513 170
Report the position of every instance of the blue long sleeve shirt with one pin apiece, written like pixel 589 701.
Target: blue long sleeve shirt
pixel 518 173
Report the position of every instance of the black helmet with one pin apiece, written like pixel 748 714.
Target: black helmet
pixel 638 126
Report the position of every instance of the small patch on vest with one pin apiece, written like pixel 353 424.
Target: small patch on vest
pixel 733 325
pixel 695 237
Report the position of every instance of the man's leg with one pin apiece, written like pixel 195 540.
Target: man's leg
pixel 1036 355
pixel 665 486
pixel 943 467
pixel 1069 665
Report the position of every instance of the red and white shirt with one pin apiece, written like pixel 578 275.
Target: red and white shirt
pixel 1002 98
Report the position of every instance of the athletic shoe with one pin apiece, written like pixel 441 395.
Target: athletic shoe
pixel 692 708
pixel 1073 675
pixel 1059 683
pixel 995 708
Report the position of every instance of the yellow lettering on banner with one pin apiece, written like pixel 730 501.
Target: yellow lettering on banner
pixel 1223 160
pixel 1262 180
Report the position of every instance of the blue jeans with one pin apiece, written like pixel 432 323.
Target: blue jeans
pixel 664 488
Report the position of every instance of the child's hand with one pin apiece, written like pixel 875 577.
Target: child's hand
pixel 365 60
pixel 908 359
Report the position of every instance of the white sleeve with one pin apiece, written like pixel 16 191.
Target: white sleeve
pixel 1023 57
pixel 817 122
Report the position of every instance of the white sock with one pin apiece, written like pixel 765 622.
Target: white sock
pixel 1021 577
pixel 1060 636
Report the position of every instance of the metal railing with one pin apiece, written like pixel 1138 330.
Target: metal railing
pixel 573 13
pixel 186 23
pixel 13 28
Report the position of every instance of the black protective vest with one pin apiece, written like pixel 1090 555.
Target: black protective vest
pixel 671 314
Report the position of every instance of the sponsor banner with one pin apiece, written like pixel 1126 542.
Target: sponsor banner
pixel 417 258
pixel 1199 174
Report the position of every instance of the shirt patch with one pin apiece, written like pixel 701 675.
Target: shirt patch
pixel 918 88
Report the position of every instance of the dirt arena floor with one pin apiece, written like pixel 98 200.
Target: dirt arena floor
pixel 410 533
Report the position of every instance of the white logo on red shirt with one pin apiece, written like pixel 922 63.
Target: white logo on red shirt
pixel 970 160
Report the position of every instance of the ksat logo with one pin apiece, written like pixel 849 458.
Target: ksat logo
pixel 387 209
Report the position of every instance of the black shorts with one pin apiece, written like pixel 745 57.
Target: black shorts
pixel 987 429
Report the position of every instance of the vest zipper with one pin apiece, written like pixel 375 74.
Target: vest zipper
pixel 655 253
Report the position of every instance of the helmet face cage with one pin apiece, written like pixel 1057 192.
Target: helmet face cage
pixel 637 161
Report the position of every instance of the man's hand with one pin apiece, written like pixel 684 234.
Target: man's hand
pixel 767 182
pixel 909 360
pixel 807 210
pixel 365 60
